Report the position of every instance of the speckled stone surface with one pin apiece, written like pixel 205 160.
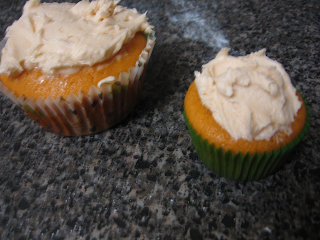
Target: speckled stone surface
pixel 142 179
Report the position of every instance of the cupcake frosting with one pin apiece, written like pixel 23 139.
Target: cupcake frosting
pixel 61 38
pixel 251 97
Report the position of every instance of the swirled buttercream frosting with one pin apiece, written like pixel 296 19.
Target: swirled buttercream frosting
pixel 251 96
pixel 61 38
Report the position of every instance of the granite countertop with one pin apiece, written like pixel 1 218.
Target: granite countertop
pixel 142 179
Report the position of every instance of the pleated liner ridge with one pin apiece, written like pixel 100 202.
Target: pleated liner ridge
pixel 238 166
pixel 85 114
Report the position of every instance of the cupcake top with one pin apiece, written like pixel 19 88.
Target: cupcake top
pixel 251 97
pixel 61 38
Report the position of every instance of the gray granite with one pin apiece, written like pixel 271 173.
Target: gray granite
pixel 142 179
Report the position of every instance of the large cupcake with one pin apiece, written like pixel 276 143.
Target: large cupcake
pixel 76 69
pixel 244 115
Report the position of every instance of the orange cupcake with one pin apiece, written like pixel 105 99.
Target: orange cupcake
pixel 76 69
pixel 244 115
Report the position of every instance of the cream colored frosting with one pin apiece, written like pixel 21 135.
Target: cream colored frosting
pixel 60 38
pixel 251 97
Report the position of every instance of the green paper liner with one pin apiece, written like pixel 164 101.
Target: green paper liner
pixel 238 166
pixel 102 107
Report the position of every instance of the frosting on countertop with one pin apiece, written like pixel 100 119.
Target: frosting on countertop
pixel 251 97
pixel 60 38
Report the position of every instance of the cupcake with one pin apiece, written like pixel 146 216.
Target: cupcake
pixel 244 115
pixel 76 69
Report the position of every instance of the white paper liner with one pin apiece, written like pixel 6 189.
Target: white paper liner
pixel 104 106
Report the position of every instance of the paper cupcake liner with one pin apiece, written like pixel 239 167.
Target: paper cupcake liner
pixel 238 166
pixel 104 106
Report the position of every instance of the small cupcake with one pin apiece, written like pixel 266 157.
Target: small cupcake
pixel 76 69
pixel 244 115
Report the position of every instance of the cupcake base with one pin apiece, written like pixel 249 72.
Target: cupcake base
pixel 238 166
pixel 102 107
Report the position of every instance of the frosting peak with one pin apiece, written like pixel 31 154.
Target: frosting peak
pixel 251 97
pixel 60 38
pixel 94 11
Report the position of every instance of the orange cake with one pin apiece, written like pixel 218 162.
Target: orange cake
pixel 244 115
pixel 76 69
pixel 34 83
pixel 204 124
